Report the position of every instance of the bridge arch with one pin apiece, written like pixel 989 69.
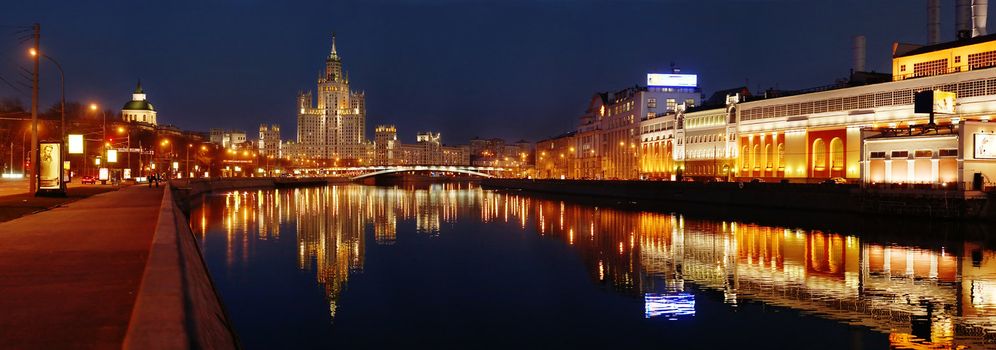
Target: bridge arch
pixel 391 170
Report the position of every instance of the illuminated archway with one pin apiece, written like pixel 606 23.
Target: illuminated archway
pixel 780 162
pixel 836 154
pixel 819 155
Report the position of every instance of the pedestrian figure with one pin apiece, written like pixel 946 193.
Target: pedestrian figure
pixel 157 180
pixel 150 179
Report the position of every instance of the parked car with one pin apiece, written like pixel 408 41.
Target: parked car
pixel 88 180
pixel 835 181
pixel 756 181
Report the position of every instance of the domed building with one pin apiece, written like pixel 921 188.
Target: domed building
pixel 139 109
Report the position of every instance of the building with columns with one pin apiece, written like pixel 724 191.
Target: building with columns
pixel 331 124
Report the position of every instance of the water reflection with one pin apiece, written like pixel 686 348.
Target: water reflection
pixel 922 298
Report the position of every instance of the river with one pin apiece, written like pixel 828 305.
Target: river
pixel 456 266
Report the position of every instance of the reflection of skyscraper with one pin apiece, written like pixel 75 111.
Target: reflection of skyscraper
pixel 941 298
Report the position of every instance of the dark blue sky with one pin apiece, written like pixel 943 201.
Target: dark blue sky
pixel 503 68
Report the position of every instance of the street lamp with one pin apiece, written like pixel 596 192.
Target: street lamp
pixel 62 109
pixel 103 127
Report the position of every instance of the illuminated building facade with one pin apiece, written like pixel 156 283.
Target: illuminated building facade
pixel 334 126
pixel 798 136
pixel 228 138
pixel 496 152
pixel 428 149
pixel 610 130
pixel 269 141
pixel 553 160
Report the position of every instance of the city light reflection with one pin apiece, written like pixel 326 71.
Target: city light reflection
pixel 919 296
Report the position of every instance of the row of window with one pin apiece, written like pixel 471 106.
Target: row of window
pixel 978 87
pixel 948 152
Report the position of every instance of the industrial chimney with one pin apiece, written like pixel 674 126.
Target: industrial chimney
pixel 859 53
pixel 933 21
pixel 980 9
pixel 963 18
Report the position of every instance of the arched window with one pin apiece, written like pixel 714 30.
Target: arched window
pixel 768 157
pixel 754 157
pixel 819 155
pixel 836 154
pixel 744 158
pixel 780 164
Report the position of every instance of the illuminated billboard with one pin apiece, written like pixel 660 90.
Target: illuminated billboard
pixel 75 144
pixel 934 101
pixel 50 166
pixel 985 146
pixel 112 156
pixel 672 80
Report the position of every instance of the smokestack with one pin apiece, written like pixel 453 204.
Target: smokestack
pixel 963 18
pixel 980 8
pixel 859 53
pixel 933 21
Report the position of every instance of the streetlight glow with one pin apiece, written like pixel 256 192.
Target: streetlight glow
pixel 33 52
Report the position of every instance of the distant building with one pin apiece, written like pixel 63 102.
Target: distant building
pixel 428 149
pixel 915 61
pixel 335 127
pixel 553 157
pixel 139 109
pixel 228 138
pixel 496 152
pixel 269 140
pixel 609 132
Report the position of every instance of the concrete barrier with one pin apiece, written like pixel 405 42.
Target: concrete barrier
pixel 814 197
pixel 177 306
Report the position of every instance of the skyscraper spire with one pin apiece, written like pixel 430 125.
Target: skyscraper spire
pixel 334 55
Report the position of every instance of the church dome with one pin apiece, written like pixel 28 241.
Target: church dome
pixel 138 101
pixel 138 106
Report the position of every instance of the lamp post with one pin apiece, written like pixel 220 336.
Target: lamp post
pixel 187 160
pixel 62 111
pixel 32 183
pixel 103 127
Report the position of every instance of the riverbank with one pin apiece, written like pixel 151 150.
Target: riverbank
pixel 69 276
pixel 809 197
pixel 115 270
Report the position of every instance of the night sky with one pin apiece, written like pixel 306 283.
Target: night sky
pixel 511 69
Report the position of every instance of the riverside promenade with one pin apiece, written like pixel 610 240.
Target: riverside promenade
pixel 115 270
pixel 69 276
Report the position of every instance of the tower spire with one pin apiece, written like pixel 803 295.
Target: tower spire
pixel 333 55
pixel 138 88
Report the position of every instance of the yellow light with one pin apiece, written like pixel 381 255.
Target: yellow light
pixel 93 107
pixel 33 52
pixel 120 129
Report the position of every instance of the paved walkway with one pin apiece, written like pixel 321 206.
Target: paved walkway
pixel 68 276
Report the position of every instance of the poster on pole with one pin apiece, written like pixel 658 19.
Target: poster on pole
pixel 50 166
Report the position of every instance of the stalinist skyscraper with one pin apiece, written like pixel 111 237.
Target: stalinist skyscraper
pixel 335 128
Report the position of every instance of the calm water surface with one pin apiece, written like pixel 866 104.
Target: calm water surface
pixel 456 266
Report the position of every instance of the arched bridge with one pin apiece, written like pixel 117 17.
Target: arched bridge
pixel 362 172
pixel 401 169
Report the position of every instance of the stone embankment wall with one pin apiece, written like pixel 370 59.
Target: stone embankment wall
pixel 177 306
pixel 814 197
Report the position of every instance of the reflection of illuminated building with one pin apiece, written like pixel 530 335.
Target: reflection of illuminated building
pixel 330 222
pixel 921 297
